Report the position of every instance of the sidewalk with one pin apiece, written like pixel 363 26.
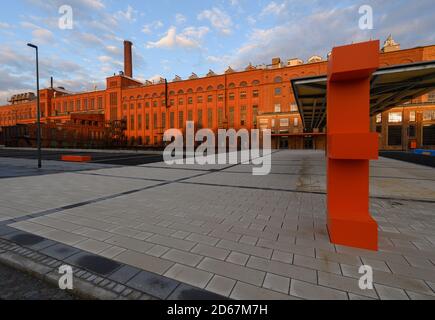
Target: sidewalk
pixel 221 230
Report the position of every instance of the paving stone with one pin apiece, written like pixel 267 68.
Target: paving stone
pixel 93 246
pixel 412 272
pixel 190 293
pixel 30 227
pixel 389 293
pixel 112 252
pixel 126 292
pixel 153 284
pixel 283 269
pixel 307 290
pixel 144 261
pixel 376 264
pixel 200 238
pixel 124 274
pixel 93 263
pixel 347 284
pixel 180 234
pixel 225 235
pixel 420 262
pixel 211 252
pixel 339 257
pixel 221 285
pixel 183 257
pixel 171 242
pixel 419 296
pixel 358 297
pixel 60 251
pixel 286 247
pixel 94 233
pixel 244 248
pixel 282 256
pixel 130 243
pixel 232 271
pixel 238 258
pixel 119 288
pixel 244 291
pixel 64 237
pixel 248 240
pixel 276 283
pixel 192 276
pixel 392 280
pixel 157 250
pixel 317 264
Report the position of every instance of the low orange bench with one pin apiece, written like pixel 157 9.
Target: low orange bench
pixel 69 158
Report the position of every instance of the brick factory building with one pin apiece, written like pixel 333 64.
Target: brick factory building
pixel 257 97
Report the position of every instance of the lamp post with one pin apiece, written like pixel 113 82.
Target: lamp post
pixel 38 110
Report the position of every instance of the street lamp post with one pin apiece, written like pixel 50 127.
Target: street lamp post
pixel 38 108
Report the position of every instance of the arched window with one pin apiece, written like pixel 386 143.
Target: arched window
pixel 210 88
pixel 190 90
pixel 200 89
pixel 231 85
pixel 155 95
pixel 255 82
pixel 139 97
pixel 243 84
pixel 171 93
pixel 131 98
pixel 277 79
pixel 221 87
pixel 146 96
pixel 180 91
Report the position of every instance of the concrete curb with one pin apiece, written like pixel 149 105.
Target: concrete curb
pixel 45 268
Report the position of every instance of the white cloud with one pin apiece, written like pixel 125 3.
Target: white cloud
pixel 251 20
pixel 219 19
pixel 180 18
pixel 155 78
pixel 4 25
pixel 189 38
pixel 129 14
pixel 274 8
pixel 148 28
pixel 42 36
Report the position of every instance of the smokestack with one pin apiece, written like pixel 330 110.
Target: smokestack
pixel 51 82
pixel 128 59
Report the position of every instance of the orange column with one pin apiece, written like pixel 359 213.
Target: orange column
pixel 351 145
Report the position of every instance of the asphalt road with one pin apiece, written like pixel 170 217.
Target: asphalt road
pixel 126 159
pixel 16 285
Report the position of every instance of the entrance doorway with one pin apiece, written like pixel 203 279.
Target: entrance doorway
pixel 283 143
pixel 308 143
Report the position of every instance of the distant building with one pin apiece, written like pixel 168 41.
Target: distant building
pixel 257 97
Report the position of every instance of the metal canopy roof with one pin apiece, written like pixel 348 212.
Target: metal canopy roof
pixel 390 86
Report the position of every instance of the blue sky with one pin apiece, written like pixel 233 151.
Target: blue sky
pixel 179 37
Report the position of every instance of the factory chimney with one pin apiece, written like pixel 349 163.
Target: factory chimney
pixel 128 59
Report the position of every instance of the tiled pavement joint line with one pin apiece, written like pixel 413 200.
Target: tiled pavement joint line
pixel 113 196
pixel 87 283
pixel 100 199
pixel 246 187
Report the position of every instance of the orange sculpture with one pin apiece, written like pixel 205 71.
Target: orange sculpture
pixel 351 145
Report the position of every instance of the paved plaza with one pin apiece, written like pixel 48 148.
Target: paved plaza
pixel 221 229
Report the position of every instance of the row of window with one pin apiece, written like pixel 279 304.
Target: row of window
pixel 200 117
pixel 397 117
pixel 78 105
pixel 232 85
